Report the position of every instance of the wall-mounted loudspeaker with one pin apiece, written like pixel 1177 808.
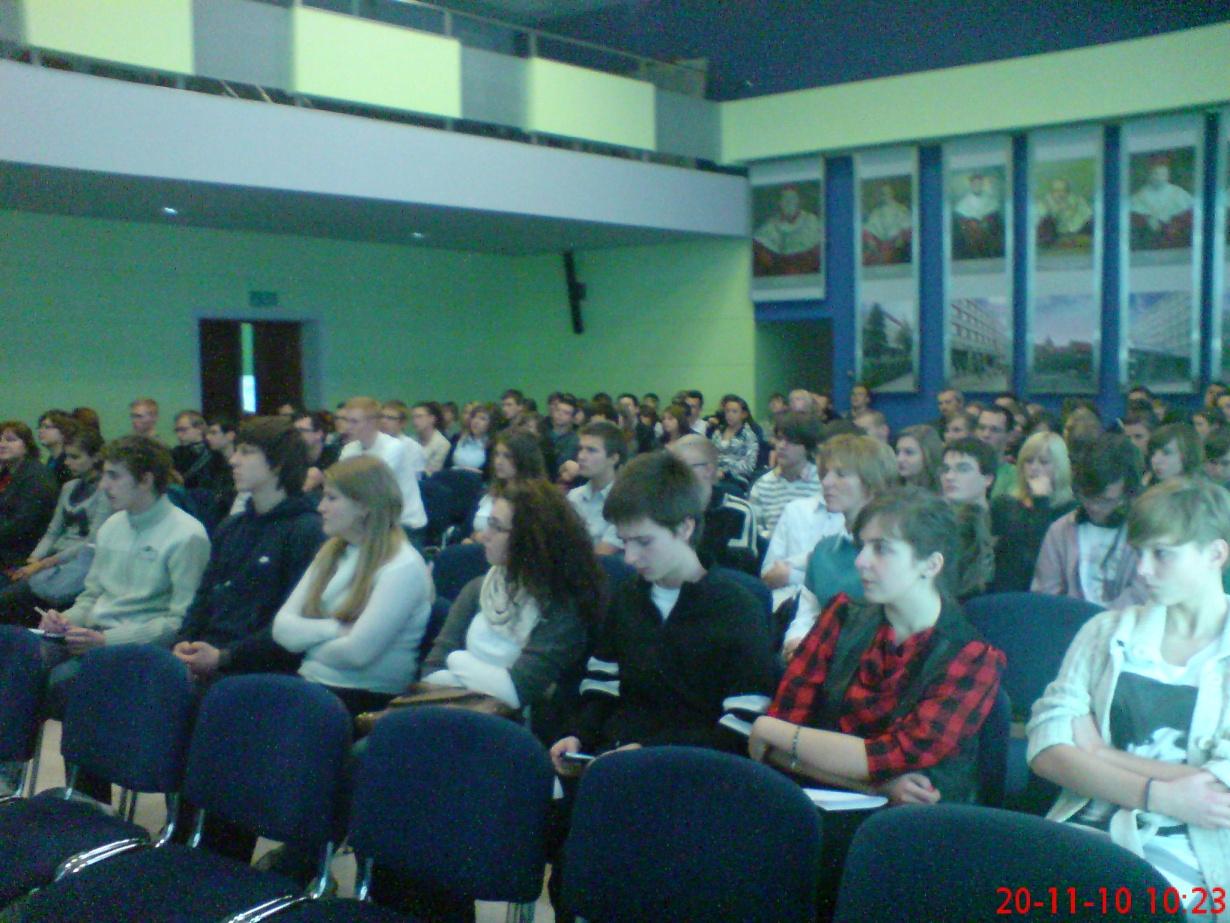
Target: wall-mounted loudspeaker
pixel 576 292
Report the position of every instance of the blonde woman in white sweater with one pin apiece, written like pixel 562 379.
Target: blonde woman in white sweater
pixel 359 612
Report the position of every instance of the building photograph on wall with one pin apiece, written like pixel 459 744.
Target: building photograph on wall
pixel 888 335
pixel 1064 332
pixel 980 344
pixel 1159 340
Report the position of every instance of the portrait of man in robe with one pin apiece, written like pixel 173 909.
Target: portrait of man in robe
pixel 977 198
pixel 788 231
pixel 1162 203
pixel 888 221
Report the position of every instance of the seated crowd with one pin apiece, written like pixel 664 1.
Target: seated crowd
pixel 629 553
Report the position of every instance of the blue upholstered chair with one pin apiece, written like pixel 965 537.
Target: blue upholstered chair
pixel 959 862
pixel 452 802
pixel 22 683
pixel 993 740
pixel 1034 631
pixel 689 834
pixel 457 565
pixel 127 720
pixel 267 754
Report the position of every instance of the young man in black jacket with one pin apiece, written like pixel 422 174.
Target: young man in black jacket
pixel 258 556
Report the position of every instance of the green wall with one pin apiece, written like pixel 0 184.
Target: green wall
pixel 96 312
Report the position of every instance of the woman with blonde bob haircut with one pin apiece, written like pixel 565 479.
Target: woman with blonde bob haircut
pixel 1019 521
pixel 853 471
pixel 1136 728
pixel 359 612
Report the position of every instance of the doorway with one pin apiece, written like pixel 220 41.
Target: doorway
pixel 250 366
pixel 793 354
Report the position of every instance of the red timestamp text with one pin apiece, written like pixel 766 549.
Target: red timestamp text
pixel 1059 902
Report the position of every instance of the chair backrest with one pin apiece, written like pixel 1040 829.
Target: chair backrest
pixel 757 587
pixel 267 754
pixel 1034 631
pixel 22 681
pixel 467 489
pixel 993 752
pixel 129 716
pixel 456 802
pixel 689 834
pixel 457 565
pixel 438 505
pixel 961 862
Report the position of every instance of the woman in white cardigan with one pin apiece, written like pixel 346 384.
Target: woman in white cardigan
pixel 1136 728
pixel 359 612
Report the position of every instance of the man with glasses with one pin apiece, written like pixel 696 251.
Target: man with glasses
pixel 314 427
pixel 794 477
pixel 362 419
pixel 728 538
pixel 1085 554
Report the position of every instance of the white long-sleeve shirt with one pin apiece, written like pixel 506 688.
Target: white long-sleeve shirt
pixel 378 651
pixel 803 523
pixel 394 453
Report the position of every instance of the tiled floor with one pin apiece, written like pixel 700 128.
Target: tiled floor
pixel 151 814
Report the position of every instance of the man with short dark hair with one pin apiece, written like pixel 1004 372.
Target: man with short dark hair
pixel 199 467
pixel 794 476
pixel 563 435
pixel 968 471
pixel 1086 554
pixel 601 451
pixel 874 424
pixel 994 428
pixel 696 403
pixel 258 556
pixel 512 403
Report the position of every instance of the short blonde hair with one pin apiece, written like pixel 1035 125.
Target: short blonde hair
pixel 1053 445
pixel 873 461
pixel 368 482
pixel 1181 510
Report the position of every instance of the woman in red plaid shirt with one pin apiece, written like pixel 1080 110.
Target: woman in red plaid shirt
pixel 888 695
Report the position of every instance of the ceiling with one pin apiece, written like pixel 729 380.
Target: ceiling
pixel 233 208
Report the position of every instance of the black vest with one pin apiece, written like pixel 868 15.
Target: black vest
pixel 957 776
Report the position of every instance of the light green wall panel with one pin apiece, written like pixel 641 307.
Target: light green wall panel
pixel 1179 70
pixel 657 318
pixel 344 57
pixel 148 33
pixel 98 312
pixel 565 100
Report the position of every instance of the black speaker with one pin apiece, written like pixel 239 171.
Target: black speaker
pixel 576 292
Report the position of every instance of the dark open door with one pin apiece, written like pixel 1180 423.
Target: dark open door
pixel 278 364
pixel 221 368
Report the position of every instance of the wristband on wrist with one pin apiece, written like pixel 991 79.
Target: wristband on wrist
pixel 794 750
pixel 1148 786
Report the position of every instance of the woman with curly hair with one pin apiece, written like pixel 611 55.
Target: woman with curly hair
pixel 515 456
pixel 513 632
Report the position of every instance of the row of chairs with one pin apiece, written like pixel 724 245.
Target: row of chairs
pixel 456 803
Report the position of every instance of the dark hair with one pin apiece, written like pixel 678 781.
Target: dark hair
pixel 923 521
pixel 657 486
pixel 1105 460
pixel 1009 419
pixel 839 427
pixel 87 416
pixel 437 415
pixel 601 410
pixel 65 423
pixel 1142 389
pixel 801 429
pixel 54 414
pixel 195 420
pixel 22 432
pixel 601 397
pixel 526 454
pixel 613 440
pixel 696 396
pixel 1140 416
pixel 679 413
pixel 1217 443
pixel 635 399
pixel 930 447
pixel 141 455
pixel 975 564
pixel 986 457
pixel 569 399
pixel 514 394
pixel 1184 435
pixel 89 441
pixel 549 550
pixel 283 448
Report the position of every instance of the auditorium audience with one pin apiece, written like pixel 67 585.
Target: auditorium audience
pixel 602 451
pixel 257 557
pixel 515 456
pixel 919 455
pixel 728 528
pixel 793 477
pixel 968 471
pixel 55 572
pixel 515 631
pixel 1085 554
pixel 1019 521
pixel 856 469
pixel 359 612
pixel 736 442
pixel 1134 727
pixel 27 496
pixel 362 418
pixel 426 419
pixel 470 449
